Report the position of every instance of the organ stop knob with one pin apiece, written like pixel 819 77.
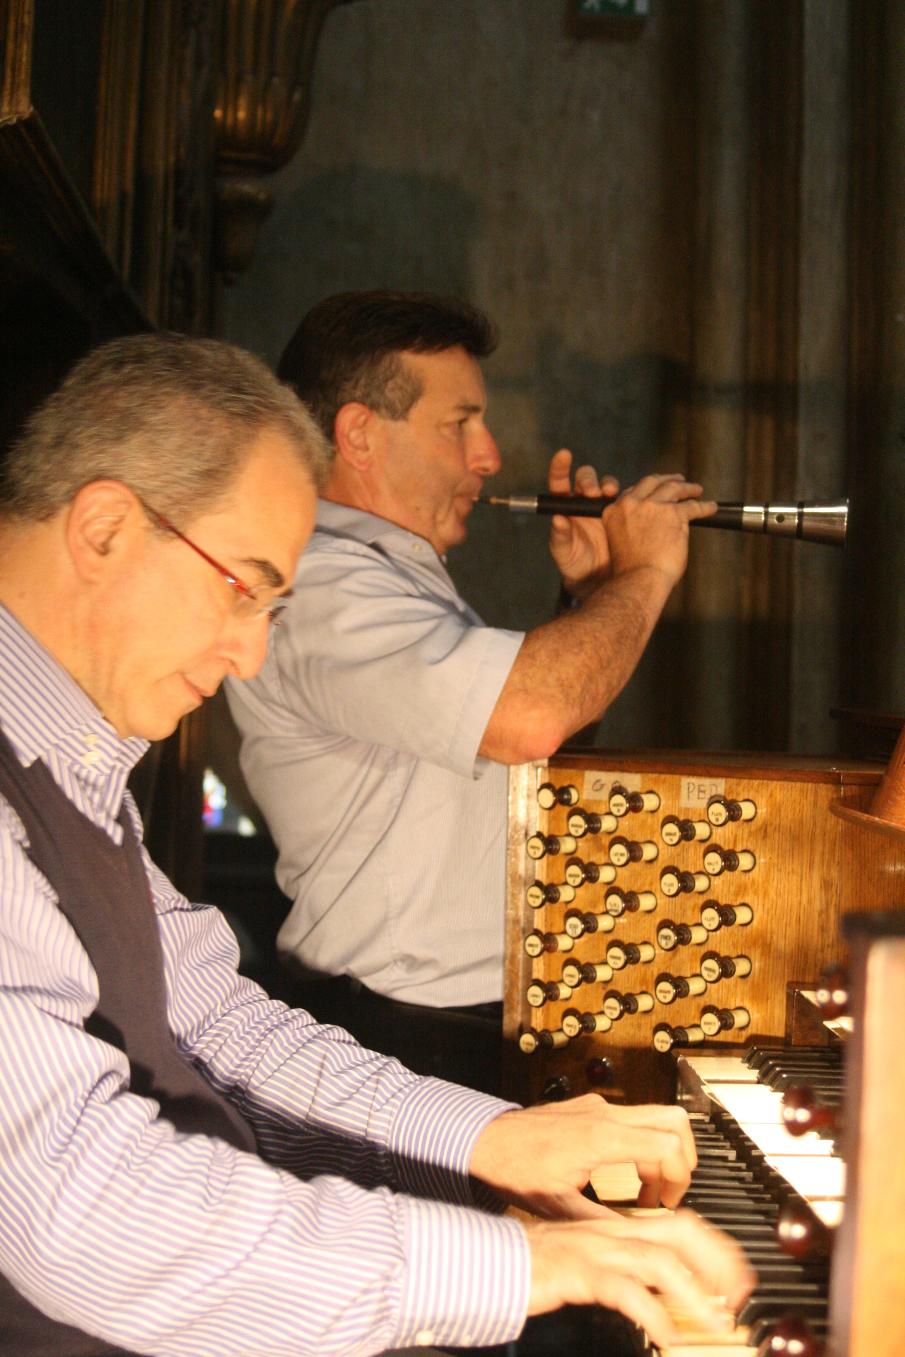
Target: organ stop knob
pixel 800 1232
pixel 623 802
pixel 790 1338
pixel 832 992
pixel 549 845
pixel 583 822
pixel 715 916
pixel 802 1112
pixel 578 872
pixel 549 795
pixel 674 830
pixel 722 810
pixel 671 935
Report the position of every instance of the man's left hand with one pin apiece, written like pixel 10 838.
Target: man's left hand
pixel 579 545
pixel 541 1158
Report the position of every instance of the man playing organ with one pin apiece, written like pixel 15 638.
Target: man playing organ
pixel 189 1167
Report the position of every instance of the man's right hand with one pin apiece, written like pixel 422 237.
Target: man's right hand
pixel 649 1267
pixel 647 525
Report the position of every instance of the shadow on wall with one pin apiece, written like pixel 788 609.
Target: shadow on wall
pixel 617 416
pixel 359 228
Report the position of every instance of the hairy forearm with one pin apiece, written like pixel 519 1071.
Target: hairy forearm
pixel 569 670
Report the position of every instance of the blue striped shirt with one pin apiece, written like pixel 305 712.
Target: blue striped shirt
pixel 360 1231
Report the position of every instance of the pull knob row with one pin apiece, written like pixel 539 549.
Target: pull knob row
pixel 720 810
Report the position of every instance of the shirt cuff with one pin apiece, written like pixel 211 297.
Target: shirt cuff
pixel 466 1280
pixel 432 1138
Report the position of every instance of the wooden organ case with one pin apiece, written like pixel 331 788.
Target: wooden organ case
pixel 718 891
pixel 659 902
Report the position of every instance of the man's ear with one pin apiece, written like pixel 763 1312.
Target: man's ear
pixel 103 517
pixel 355 431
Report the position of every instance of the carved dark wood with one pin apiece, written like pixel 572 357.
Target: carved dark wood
pixel 267 54
pixel 114 240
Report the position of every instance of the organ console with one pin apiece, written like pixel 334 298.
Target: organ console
pixel 705 994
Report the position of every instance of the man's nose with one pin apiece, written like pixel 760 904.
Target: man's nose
pixel 485 455
pixel 244 645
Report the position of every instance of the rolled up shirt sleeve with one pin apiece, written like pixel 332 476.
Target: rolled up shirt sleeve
pixel 369 653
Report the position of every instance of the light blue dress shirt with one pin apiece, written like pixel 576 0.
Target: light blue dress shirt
pixel 360 745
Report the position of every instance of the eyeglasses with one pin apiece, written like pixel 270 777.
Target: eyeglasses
pixel 245 604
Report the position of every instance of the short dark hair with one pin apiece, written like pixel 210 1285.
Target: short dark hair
pixel 348 348
pixel 171 416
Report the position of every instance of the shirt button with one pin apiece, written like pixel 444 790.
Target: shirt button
pixel 91 757
pixel 416 546
pixel 424 1338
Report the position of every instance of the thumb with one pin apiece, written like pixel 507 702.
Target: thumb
pixel 560 527
pixel 575 1206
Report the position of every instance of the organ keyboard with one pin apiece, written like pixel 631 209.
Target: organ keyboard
pixel 744 1094
pixel 813 858
pixel 760 1184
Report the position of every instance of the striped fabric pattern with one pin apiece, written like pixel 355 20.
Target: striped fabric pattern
pixel 357 1229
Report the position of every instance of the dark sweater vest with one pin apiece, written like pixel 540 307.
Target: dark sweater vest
pixel 104 893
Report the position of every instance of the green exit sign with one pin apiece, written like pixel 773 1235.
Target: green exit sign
pixel 628 9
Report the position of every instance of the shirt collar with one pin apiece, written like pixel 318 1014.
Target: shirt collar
pixel 371 530
pixel 42 708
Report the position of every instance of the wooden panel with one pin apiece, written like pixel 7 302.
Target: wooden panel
pixel 810 867
pixel 866 1311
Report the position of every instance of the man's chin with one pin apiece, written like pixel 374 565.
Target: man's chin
pixel 153 726
pixel 458 528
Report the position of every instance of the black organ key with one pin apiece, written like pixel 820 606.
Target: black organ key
pixel 733 1188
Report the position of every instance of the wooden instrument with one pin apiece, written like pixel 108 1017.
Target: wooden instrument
pixel 816 875
pixel 661 902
